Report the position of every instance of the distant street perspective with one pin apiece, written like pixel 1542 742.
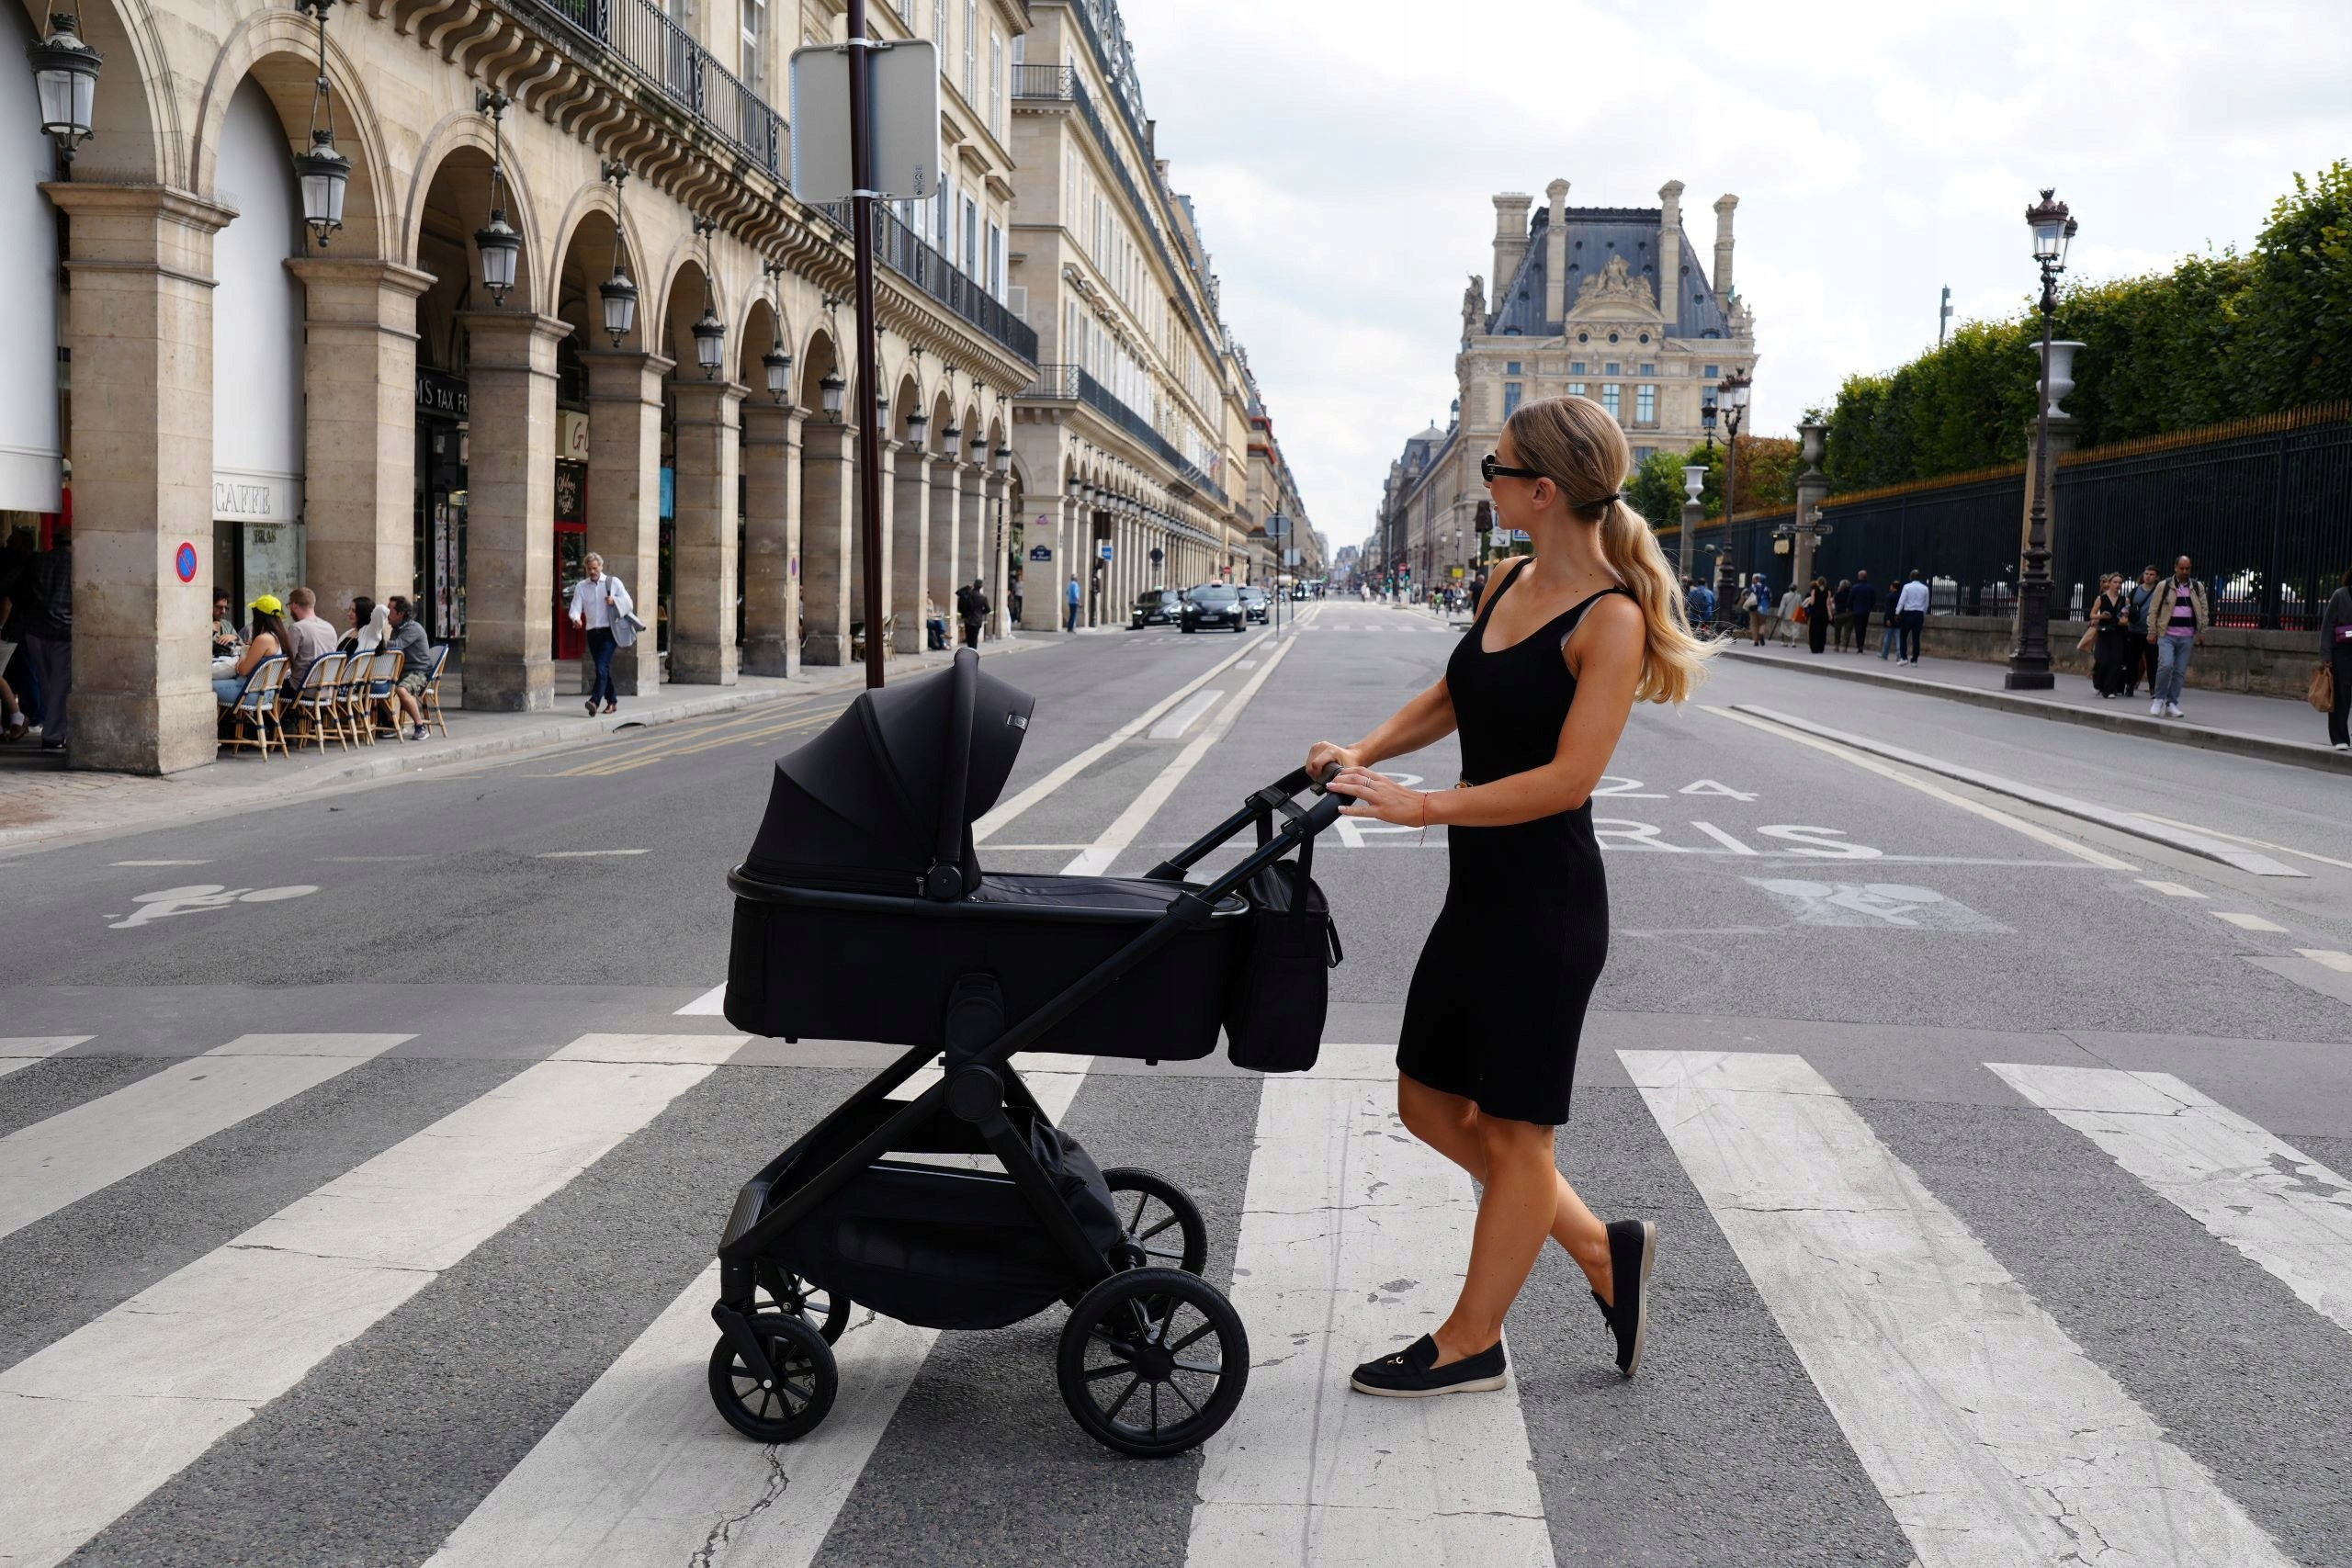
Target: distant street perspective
pixel 779 791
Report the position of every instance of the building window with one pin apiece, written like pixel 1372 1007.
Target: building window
pixel 1642 455
pixel 1576 389
pixel 942 204
pixel 971 50
pixel 1646 405
pixel 1510 399
pixel 1611 368
pixel 996 262
pixel 996 83
pixel 1576 367
pixel 971 238
pixel 1608 399
pixel 1714 371
pixel 1649 369
pixel 755 54
pixel 1511 367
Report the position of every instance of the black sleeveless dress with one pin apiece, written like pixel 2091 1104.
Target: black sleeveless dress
pixel 1496 1004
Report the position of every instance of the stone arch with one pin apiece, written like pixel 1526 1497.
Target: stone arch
pixel 818 357
pixel 760 330
pixel 942 414
pixel 276 48
pixel 452 178
pixel 582 259
pixel 683 297
pixel 683 267
pixel 904 403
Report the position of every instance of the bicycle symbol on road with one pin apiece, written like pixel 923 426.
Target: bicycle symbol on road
pixel 200 898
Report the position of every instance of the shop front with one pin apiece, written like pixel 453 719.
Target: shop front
pixel 256 535
pixel 442 416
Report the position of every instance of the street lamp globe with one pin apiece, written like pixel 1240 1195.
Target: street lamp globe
pixel 828 392
pixel 778 367
pixel 500 246
pixel 918 427
pixel 980 449
pixel 324 174
pixel 2052 229
pixel 65 78
pixel 711 341
pixel 1003 455
pixel 620 304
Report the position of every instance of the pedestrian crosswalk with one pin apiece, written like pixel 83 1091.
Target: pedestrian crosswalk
pixel 1991 1429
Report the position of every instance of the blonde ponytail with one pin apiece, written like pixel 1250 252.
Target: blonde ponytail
pixel 1580 444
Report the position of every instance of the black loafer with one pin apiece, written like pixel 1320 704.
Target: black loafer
pixel 1410 1373
pixel 1632 1251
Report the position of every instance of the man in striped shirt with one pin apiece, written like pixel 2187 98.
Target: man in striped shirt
pixel 2177 617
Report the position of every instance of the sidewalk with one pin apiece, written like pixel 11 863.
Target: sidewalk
pixel 2277 729
pixel 44 804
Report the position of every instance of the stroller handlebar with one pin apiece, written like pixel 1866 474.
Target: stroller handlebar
pixel 1262 806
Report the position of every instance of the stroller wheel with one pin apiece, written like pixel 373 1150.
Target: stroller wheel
pixel 803 1393
pixel 1153 1362
pixel 1164 1227
pixel 820 1309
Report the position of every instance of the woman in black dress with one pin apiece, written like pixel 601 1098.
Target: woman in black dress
pixel 1539 690
pixel 2107 645
pixel 1816 617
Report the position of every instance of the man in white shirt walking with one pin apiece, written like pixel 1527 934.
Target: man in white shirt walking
pixel 1910 615
pixel 599 603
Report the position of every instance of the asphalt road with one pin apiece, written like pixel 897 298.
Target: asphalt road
pixel 256 1305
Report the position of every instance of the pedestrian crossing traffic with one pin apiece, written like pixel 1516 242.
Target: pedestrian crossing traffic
pixel 1993 1431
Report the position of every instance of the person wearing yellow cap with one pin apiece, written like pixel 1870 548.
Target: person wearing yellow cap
pixel 267 641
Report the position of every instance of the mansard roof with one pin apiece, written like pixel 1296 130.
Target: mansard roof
pixel 1594 235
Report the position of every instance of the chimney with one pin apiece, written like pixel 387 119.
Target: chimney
pixel 1510 241
pixel 1724 204
pixel 1669 250
pixel 1555 253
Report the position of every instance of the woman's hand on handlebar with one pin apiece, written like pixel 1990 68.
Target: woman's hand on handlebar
pixel 1325 755
pixel 1382 797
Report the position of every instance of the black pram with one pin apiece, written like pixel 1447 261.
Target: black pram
pixel 862 914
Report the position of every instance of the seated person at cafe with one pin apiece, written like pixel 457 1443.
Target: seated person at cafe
pixel 225 635
pixel 308 638
pixel 408 639
pixel 267 641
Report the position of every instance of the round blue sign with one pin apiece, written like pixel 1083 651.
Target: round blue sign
pixel 185 561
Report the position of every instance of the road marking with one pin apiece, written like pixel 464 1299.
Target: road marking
pixel 710 1004
pixel 2282 1208
pixel 587 854
pixel 1353 1237
pixel 1005 811
pixel 2339 962
pixel 2188 840
pixel 1183 718
pixel 2242 839
pixel 2170 889
pixel 384 860
pixel 1993 1438
pixel 94 1423
pixel 20 1051
pixel 2245 922
pixel 1096 858
pixel 641 1470
pixel 1873 905
pixel 98 1142
pixel 160 862
pixel 1976 807
pixel 199 898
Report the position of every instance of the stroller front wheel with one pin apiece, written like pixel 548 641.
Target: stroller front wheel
pixel 795 1401
pixel 1150 1207
pixel 820 1309
pixel 1153 1362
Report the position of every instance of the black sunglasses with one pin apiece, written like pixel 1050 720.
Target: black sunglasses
pixel 1488 468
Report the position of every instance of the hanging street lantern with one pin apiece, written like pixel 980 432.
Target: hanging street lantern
pixel 828 392
pixel 618 291
pixel 500 246
pixel 777 361
pixel 65 80
pixel 323 172
pixel 1004 459
pixel 710 332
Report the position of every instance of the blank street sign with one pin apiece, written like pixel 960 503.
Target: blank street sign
pixel 905 102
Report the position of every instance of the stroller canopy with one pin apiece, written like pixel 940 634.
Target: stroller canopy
pixel 883 800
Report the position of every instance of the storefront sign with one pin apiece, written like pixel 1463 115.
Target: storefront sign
pixel 571 434
pixel 441 394
pixel 255 497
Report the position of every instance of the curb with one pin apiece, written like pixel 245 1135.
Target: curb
pixel 2295 753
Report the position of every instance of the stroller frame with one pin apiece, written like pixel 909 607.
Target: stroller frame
pixel 978 1087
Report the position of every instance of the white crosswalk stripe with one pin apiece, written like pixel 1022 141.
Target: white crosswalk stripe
pixel 1993 1438
pixel 1351 1238
pixel 98 1420
pixel 2282 1208
pixel 74 1153
pixel 18 1052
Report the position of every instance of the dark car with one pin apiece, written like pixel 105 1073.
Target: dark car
pixel 1214 604
pixel 1155 606
pixel 1254 601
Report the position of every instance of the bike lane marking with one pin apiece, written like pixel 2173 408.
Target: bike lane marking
pixel 21 1051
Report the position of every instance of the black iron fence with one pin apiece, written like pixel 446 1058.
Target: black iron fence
pixel 914 258
pixel 2263 510
pixel 1073 383
pixel 636 35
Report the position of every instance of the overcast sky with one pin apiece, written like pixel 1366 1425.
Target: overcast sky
pixel 1342 157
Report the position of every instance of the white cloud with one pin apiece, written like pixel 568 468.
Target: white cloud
pixel 1342 159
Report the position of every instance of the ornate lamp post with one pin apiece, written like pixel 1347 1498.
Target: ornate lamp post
pixel 2053 229
pixel 1731 401
pixel 322 172
pixel 65 78
pixel 710 332
pixel 617 292
pixel 497 242
pixel 828 394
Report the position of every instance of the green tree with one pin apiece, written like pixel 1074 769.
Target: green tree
pixel 2299 311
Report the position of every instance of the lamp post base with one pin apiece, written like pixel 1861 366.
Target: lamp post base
pixel 2025 678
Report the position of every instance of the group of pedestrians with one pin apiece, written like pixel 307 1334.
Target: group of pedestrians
pixel 292 628
pixel 2145 632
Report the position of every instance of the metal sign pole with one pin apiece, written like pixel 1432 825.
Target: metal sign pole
pixel 869 436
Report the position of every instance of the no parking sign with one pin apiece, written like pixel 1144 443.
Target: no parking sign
pixel 184 561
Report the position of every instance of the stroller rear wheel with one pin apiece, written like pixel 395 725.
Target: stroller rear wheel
pixel 1164 1228
pixel 820 1309
pixel 1153 1362
pixel 802 1392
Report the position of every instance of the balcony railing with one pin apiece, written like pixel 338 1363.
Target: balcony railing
pixel 913 258
pixel 1071 383
pixel 634 36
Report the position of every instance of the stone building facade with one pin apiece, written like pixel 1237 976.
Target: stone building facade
pixel 1273 489
pixel 1612 303
pixel 364 414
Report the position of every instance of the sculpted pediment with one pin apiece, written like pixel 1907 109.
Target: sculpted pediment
pixel 1615 292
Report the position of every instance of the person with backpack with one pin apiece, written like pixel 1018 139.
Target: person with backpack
pixel 1757 603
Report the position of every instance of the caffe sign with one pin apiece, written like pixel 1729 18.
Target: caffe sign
pixel 255 497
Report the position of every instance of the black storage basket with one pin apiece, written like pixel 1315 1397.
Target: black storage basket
pixel 1282 985
pixel 950 1248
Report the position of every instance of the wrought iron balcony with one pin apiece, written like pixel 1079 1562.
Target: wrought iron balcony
pixel 913 258
pixel 637 37
pixel 1071 383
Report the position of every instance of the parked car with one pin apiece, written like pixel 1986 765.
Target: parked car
pixel 1214 604
pixel 1155 607
pixel 1254 601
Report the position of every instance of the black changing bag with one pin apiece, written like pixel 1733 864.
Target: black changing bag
pixel 1273 1013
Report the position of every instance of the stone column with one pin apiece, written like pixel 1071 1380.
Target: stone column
pixel 911 553
pixel 772 539
pixel 625 496
pixel 948 564
pixel 995 580
pixel 510 510
pixel 1813 489
pixel 1041 597
pixel 828 511
pixel 360 427
pixel 1556 251
pixel 971 541
pixel 139 328
pixel 702 628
